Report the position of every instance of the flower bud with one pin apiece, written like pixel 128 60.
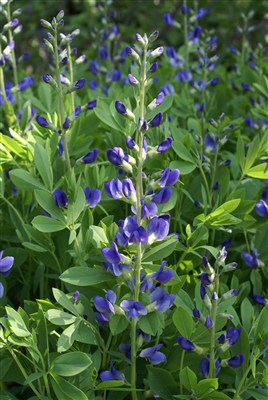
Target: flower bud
pixel 153 36
pixel 121 109
pixel 133 81
pixel 50 81
pixel 60 15
pixel 156 53
pixel 228 294
pixel 45 24
pixel 132 54
pixel 48 45
pixel 156 102
pixel 76 85
pixel 226 316
pixel 140 40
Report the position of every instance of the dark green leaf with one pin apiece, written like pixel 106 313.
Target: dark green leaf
pixel 162 383
pixel 84 276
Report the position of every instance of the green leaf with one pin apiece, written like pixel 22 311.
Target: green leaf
pixel 240 149
pixel 162 383
pixel 109 384
pixel 64 390
pixel 70 364
pixel 46 201
pixel 149 323
pixel 46 224
pixel 43 165
pixel 5 365
pixel 221 396
pixel 34 247
pixel 247 314
pixel 185 167
pixel 118 323
pixel 259 171
pixel 16 323
pixel 84 276
pixel 182 152
pixel 97 236
pixel 107 119
pixel 188 379
pixel 79 204
pixel 24 180
pixel 252 154
pixel 32 378
pixel 256 394
pixel 206 386
pixel 63 300
pixel 58 317
pixel 183 322
pixel 160 251
pixel 86 334
pixel 67 337
pixel 12 145
pixel 201 233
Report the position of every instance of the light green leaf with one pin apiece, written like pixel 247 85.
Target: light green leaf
pixel 259 171
pixel 109 384
pixel 162 383
pixel 67 337
pixel 24 180
pixel 58 317
pixel 182 152
pixel 16 322
pixel 64 390
pixel 118 323
pixel 70 364
pixel 34 247
pixel 160 251
pixel 12 145
pixel 188 379
pixel 185 167
pixel 97 236
pixel 32 378
pixel 63 300
pixel 183 322
pixel 149 323
pixel 43 165
pixel 84 276
pixel 46 224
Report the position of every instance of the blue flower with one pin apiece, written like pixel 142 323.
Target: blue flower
pixel 162 196
pixel 93 197
pixel 209 323
pixel 187 345
pixel 259 299
pixel 135 309
pixel 183 76
pixel 163 299
pixel 6 264
pixel 125 348
pixel 167 89
pixel 202 12
pixel 91 104
pixel 76 295
pixel 93 84
pixel 119 158
pixel 234 362
pixel 245 86
pixel 133 232
pixel 25 83
pixel 251 260
pixel 113 189
pixel 60 198
pixel 90 157
pixel 1 290
pixel 106 304
pixel 163 276
pixel 111 375
pixel 157 229
pixel 261 208
pixel 168 19
pixel 153 355
pixel 165 145
pixel 204 366
pixel 94 67
pixel 157 120
pixel 10 96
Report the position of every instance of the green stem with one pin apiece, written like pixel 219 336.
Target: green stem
pixel 24 373
pixel 13 59
pixel 139 192
pixel 70 64
pixel 206 184
pixel 185 36
pixel 181 367
pixel 212 372
pixel 61 106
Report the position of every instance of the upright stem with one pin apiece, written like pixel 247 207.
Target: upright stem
pixel 70 64
pixel 212 373
pixel 13 59
pixel 139 192
pixel 185 28
pixel 61 105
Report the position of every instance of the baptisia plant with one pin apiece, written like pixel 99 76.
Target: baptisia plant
pixel 147 226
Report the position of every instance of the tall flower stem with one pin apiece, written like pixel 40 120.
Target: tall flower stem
pixel 212 372
pixel 13 60
pixel 70 65
pixel 61 106
pixel 185 29
pixel 139 191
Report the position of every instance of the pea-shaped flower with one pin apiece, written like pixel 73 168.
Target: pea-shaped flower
pixel 153 355
pixel 60 198
pixel 6 264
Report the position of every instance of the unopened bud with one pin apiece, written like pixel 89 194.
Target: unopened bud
pixel 45 24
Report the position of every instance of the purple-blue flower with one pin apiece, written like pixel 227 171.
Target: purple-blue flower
pixel 106 304
pixel 134 308
pixel 157 229
pixel 167 89
pixel 154 356
pixel 90 157
pixel 187 345
pixel 204 366
pixel 259 299
pixel 111 375
pixel 113 189
pixel 93 197
pixel 251 260
pixel 76 295
pixel 183 76
pixel 162 196
pixel 245 86
pixel 91 104
pixel 93 84
pixel 60 198
pixel 163 276
pixel 26 83
pixel 135 233
pixel 165 145
pixel 209 323
pixel 157 120
pixel 234 362
pixel 163 299
pixel 168 19
pixel 261 208
pixel 6 264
